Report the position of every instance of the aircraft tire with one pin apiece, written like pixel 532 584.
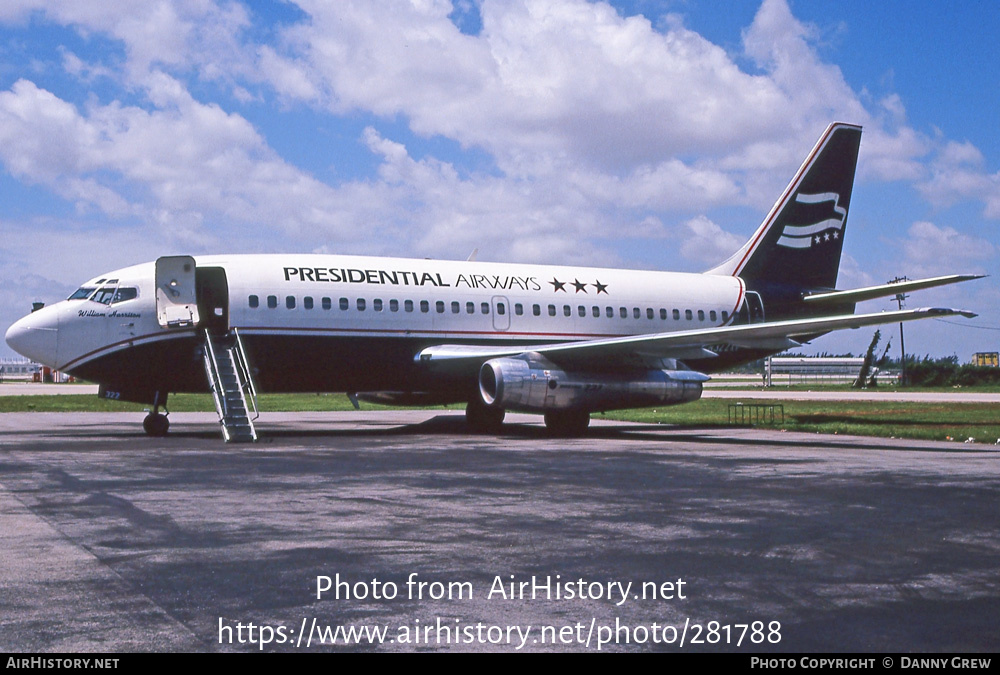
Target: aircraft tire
pixel 484 419
pixel 156 424
pixel 567 423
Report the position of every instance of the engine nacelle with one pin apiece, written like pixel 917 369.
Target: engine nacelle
pixel 533 384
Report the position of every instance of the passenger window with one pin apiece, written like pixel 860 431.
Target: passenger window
pixel 455 307
pixel 623 312
pixel 501 308
pixel 290 302
pixel 394 305
pixel 327 304
pixel 470 308
pixel 609 312
pixel 519 309
pixel 536 310
pixel 439 305
pixel 663 314
pixel 677 315
pixel 360 304
pixel 408 305
pixel 567 310
pixel 377 304
pixel 649 312
pixel 254 302
pixel 712 315
pixel 701 315
pixel 344 304
pixel 485 307
pixel 307 302
pixel 597 312
pixel 688 315
pixel 425 306
pixel 635 312
pixel 725 316
pixel 272 301
pixel 582 311
pixel 552 310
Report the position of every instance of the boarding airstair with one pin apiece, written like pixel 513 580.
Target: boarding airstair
pixel 232 386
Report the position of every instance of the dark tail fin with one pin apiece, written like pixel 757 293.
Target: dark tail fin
pixel 798 246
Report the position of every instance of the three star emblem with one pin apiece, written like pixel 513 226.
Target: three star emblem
pixel 580 286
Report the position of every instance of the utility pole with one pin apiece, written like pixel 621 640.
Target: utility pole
pixel 900 297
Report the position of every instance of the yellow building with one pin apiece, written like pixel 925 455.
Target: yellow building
pixel 986 359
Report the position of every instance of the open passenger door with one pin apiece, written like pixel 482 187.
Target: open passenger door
pixel 176 292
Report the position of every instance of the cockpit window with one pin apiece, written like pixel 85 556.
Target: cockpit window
pixel 125 293
pixel 104 295
pixel 107 291
pixel 82 293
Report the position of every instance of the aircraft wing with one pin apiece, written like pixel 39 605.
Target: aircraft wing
pixel 777 335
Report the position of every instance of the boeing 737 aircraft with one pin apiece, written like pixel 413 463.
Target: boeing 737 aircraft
pixel 561 341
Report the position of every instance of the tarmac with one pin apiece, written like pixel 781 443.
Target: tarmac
pixel 113 542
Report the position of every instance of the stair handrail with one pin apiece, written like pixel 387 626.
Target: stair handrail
pixel 243 369
pixel 220 401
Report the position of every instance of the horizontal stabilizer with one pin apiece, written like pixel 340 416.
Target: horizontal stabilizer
pixel 886 290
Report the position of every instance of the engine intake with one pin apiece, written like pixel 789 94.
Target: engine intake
pixel 533 384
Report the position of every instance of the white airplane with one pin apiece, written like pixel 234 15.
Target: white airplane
pixel 562 341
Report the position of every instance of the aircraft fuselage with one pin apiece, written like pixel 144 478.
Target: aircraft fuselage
pixel 328 323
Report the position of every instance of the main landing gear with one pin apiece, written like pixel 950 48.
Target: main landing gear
pixel 156 424
pixel 485 419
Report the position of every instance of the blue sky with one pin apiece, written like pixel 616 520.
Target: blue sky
pixel 647 134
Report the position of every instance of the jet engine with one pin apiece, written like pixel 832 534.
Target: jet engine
pixel 531 383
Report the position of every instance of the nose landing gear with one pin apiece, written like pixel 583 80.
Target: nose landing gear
pixel 156 424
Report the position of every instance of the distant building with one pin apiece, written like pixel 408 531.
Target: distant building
pixel 806 369
pixel 19 369
pixel 991 359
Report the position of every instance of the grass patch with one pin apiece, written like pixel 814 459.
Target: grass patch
pixel 722 383
pixel 927 421
pixel 177 403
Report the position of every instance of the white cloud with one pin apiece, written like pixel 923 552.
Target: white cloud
pixel 931 249
pixel 181 163
pixel 957 174
pixel 706 242
pixel 554 83
pixel 548 88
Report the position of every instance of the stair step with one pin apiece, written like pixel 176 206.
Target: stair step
pixel 229 390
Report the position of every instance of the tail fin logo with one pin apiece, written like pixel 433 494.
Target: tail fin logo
pixel 825 230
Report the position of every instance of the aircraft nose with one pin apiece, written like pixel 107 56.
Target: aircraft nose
pixel 35 336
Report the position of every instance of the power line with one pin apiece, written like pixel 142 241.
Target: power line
pixel 966 325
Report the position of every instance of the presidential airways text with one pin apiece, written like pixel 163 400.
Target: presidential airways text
pixel 409 278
